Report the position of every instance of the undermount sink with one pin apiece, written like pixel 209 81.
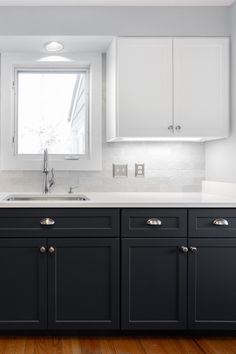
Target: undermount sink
pixel 45 198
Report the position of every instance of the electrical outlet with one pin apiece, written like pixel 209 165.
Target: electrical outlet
pixel 139 170
pixel 120 170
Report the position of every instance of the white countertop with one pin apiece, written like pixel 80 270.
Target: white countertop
pixel 127 200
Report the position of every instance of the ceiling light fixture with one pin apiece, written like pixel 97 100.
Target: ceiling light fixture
pixel 53 47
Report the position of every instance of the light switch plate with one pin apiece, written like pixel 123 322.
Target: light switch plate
pixel 120 170
pixel 139 169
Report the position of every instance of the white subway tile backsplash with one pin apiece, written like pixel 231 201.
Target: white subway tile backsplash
pixel 169 167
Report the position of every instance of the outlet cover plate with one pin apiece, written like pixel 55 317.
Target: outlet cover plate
pixel 139 169
pixel 120 170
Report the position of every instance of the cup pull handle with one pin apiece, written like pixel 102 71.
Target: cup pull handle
pixel 154 222
pixel 47 222
pixel 220 222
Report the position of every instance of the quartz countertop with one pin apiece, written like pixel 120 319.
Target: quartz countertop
pixel 126 200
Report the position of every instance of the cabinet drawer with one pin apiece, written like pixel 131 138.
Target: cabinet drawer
pixel 67 222
pixel 154 222
pixel 212 223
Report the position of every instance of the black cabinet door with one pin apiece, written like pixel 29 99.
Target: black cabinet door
pixel 83 283
pixel 23 279
pixel 212 284
pixel 154 284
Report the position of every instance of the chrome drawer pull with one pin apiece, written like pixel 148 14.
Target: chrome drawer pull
pixel 154 222
pixel 42 249
pixel 183 249
pixel 193 249
pixel 51 249
pixel 220 222
pixel 47 221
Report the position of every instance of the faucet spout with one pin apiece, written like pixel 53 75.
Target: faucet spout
pixel 48 182
pixel 45 160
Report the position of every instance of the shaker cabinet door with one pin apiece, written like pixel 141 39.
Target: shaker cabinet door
pixel 83 283
pixel 212 284
pixel 23 279
pixel 201 87
pixel 144 67
pixel 154 284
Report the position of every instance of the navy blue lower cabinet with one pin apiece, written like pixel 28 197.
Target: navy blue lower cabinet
pixel 212 284
pixel 23 279
pixel 83 283
pixel 154 283
pixel 67 276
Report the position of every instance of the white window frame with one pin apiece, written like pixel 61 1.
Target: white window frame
pixel 12 62
pixel 51 69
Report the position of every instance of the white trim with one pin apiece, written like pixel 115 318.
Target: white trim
pixel 10 161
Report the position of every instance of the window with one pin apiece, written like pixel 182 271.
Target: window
pixel 53 105
pixel 51 111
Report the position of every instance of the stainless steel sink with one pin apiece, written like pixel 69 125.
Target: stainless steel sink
pixel 45 198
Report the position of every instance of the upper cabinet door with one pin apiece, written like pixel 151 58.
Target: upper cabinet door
pixel 143 87
pixel 201 87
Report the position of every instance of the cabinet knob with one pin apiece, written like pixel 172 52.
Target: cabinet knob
pixel 51 249
pixel 178 127
pixel 184 249
pixel 42 249
pixel 220 222
pixel 154 222
pixel 193 249
pixel 170 127
pixel 47 221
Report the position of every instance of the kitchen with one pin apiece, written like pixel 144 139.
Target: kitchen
pixel 117 176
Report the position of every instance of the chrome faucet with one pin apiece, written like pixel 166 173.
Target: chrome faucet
pixel 71 189
pixel 48 182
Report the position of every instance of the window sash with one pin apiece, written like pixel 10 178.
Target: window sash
pixel 26 69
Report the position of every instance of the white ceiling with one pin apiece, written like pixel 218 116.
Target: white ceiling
pixel 116 2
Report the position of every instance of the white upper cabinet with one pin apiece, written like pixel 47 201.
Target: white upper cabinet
pixel 162 88
pixel 144 87
pixel 201 87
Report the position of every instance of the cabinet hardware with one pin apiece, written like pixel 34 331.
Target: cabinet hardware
pixel 170 127
pixel 42 249
pixel 178 127
pixel 193 249
pixel 220 222
pixel 183 249
pixel 51 249
pixel 47 221
pixel 154 222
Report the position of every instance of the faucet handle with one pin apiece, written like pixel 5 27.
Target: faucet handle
pixel 70 191
pixel 52 179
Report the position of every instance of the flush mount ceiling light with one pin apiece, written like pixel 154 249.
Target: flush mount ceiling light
pixel 53 47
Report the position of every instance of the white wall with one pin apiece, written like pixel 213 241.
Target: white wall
pixel 143 21
pixel 169 166
pixel 221 155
